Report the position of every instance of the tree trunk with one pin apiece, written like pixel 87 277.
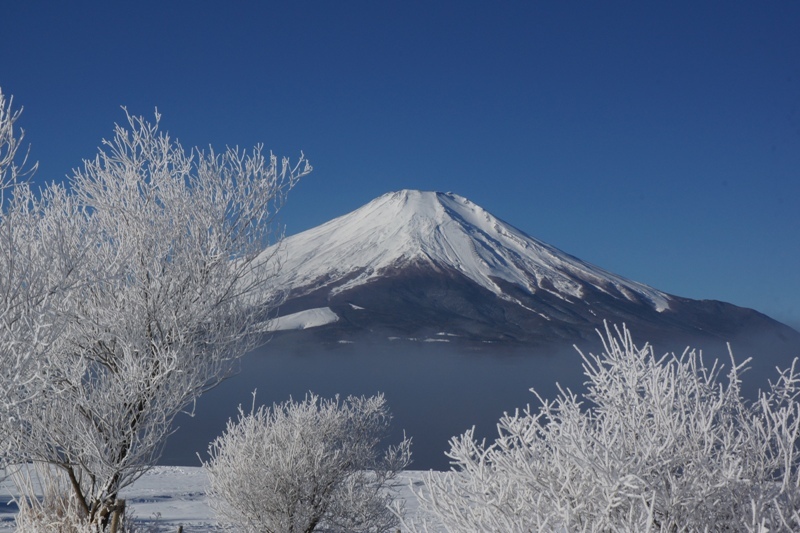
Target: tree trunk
pixel 116 517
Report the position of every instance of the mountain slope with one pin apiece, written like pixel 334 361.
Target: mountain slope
pixel 436 267
pixel 444 231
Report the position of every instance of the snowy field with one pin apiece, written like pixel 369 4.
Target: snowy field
pixel 172 496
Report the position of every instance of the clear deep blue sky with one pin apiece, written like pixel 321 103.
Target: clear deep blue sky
pixel 660 141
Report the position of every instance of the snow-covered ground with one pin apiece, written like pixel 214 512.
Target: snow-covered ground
pixel 171 496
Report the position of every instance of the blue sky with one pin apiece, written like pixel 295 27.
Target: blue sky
pixel 660 141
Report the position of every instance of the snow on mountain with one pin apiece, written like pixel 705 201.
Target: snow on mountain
pixel 445 231
pixel 309 318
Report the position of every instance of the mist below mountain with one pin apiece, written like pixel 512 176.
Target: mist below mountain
pixel 433 391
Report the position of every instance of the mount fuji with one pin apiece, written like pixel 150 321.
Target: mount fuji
pixel 435 267
pixel 455 315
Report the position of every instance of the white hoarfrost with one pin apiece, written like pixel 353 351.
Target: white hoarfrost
pixel 312 465
pixel 442 229
pixel 656 444
pixel 120 305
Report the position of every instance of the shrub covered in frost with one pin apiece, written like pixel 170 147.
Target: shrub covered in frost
pixel 655 444
pixel 306 466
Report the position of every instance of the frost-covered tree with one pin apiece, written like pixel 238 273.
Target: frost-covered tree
pixel 655 444
pixel 16 306
pixel 175 285
pixel 306 466
pixel 41 241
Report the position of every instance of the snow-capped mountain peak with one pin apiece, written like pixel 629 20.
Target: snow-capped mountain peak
pixel 442 231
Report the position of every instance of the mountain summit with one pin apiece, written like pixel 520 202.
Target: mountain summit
pixel 445 231
pixel 431 266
